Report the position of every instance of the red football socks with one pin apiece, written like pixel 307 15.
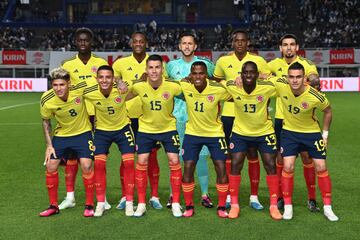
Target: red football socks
pixel 52 184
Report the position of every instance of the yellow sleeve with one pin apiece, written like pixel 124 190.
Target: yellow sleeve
pixel 45 112
pixel 263 66
pixel 218 72
pixel 116 67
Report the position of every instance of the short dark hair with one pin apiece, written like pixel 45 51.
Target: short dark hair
pixel 105 67
pixel 139 32
pixel 154 57
pixel 296 66
pixel 288 35
pixel 250 63
pixel 187 34
pixel 198 63
pixel 236 31
pixel 84 30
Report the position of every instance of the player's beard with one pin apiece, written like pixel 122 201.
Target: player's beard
pixel 188 55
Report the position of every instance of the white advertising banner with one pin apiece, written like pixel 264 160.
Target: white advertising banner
pixel 37 57
pixel 23 84
pixel 351 84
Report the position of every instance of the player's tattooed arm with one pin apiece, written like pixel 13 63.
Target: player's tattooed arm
pixel 46 123
pixel 326 123
pixel 314 81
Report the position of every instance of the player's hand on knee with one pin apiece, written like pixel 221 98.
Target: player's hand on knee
pixel 50 150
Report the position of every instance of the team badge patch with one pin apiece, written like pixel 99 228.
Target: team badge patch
pixel 304 105
pixel 260 98
pixel 166 95
pixel 77 100
pixel 231 146
pixel 118 99
pixel 210 98
pixel 93 69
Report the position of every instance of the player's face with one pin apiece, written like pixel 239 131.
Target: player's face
pixel 240 43
pixel 138 43
pixel 105 78
pixel 289 48
pixel 154 70
pixel 187 46
pixel 249 74
pixel 296 79
pixel 61 88
pixel 83 43
pixel 198 75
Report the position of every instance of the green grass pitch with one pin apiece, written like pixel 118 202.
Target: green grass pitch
pixel 23 194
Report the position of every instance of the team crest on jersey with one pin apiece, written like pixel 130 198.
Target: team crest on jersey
pixel 231 146
pixel 166 95
pixel 260 98
pixel 118 99
pixel 93 69
pixel 210 98
pixel 304 105
pixel 281 150
pixel 77 100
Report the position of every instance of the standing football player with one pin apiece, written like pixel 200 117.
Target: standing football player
pixel 72 134
pixel 177 70
pixel 157 124
pixel 228 68
pixel 81 67
pixel 289 46
pixel 132 68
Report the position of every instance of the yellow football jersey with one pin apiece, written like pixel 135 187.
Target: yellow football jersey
pixel 157 105
pixel 204 109
pixel 299 111
pixel 251 110
pixel 279 68
pixel 129 69
pixel 83 72
pixel 71 115
pixel 229 67
pixel 110 112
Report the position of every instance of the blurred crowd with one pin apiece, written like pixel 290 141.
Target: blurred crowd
pixel 324 23
pixel 329 23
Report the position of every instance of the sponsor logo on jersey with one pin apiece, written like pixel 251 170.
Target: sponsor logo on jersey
pixel 58 109
pixel 98 103
pixel 238 98
pixel 190 95
pixel 129 69
pixel 145 95
pixel 76 71
pixel 230 66
pixel 166 95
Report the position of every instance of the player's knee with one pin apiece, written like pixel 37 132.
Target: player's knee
pixel 86 166
pixel 50 167
pixel 289 167
pixel 320 166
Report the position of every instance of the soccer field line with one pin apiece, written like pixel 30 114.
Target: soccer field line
pixel 19 124
pixel 17 105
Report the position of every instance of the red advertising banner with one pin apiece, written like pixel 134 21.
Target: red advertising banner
pixel 14 57
pixel 345 56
